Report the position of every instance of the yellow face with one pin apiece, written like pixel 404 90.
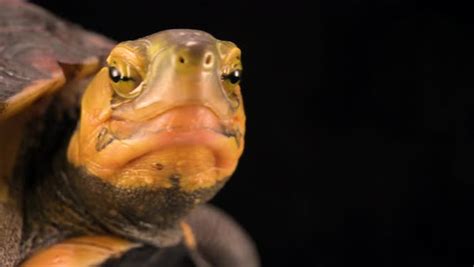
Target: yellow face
pixel 166 112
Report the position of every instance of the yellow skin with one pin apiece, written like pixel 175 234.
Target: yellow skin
pixel 165 106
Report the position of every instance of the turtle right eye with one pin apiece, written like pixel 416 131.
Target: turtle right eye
pixel 114 74
pixel 234 77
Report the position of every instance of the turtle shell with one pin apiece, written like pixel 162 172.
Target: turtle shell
pixel 40 55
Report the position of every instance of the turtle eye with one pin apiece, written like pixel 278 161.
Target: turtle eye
pixel 126 86
pixel 231 80
pixel 114 74
pixel 233 77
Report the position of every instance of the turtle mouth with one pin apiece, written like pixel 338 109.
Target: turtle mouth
pixel 176 135
pixel 186 146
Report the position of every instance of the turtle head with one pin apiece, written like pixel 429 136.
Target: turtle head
pixel 161 127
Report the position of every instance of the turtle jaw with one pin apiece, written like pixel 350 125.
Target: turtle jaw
pixel 193 160
pixel 187 145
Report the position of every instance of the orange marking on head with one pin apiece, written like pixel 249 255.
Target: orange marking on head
pixel 188 236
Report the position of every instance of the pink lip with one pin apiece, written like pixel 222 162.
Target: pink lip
pixel 187 118
pixel 221 145
pixel 188 125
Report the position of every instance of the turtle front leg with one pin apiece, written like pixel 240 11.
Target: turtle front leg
pixel 210 239
pixel 215 239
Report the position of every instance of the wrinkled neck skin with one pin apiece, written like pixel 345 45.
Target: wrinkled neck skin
pixel 70 202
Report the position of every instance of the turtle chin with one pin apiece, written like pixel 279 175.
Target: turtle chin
pixel 150 215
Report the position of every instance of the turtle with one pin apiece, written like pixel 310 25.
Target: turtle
pixel 110 151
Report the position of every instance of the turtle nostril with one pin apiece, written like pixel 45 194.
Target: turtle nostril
pixel 195 58
pixel 208 60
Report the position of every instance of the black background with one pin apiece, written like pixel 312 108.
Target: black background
pixel 360 137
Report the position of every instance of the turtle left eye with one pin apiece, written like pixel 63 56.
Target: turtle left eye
pixel 125 86
pixel 234 77
pixel 114 74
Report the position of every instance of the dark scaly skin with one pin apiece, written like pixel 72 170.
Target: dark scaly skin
pixel 55 217
pixel 56 209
